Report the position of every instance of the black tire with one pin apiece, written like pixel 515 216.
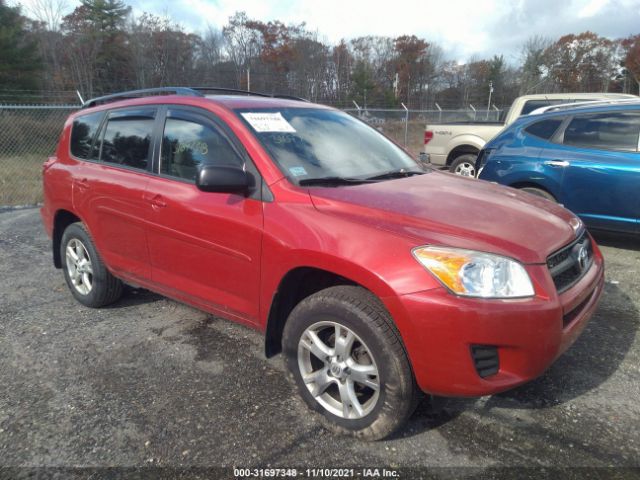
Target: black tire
pixel 539 192
pixel 104 287
pixel 361 312
pixel 464 165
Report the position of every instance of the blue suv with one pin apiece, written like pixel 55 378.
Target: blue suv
pixel 585 157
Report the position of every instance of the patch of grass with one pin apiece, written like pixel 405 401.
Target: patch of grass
pixel 21 180
pixel 415 134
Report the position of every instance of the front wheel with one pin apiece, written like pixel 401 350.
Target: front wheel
pixel 464 165
pixel 347 359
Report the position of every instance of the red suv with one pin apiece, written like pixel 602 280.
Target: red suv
pixel 376 276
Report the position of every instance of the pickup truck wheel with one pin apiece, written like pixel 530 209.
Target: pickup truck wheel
pixel 347 359
pixel 539 192
pixel 86 275
pixel 464 165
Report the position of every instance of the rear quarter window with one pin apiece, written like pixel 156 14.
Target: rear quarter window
pixel 83 132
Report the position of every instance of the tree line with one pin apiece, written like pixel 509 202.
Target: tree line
pixel 101 47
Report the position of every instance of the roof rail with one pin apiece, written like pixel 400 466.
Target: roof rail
pixel 585 104
pixel 290 97
pixel 146 92
pixel 229 90
pixel 247 92
pixel 186 91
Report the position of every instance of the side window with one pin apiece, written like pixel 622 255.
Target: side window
pixel 608 131
pixel 544 129
pixel 187 144
pixel 82 132
pixel 127 139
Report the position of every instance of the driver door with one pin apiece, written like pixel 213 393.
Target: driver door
pixel 203 246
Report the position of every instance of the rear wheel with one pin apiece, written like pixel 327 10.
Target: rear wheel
pixel 464 165
pixel 347 359
pixel 86 275
pixel 539 192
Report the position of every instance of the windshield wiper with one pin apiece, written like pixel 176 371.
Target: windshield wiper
pixel 402 173
pixel 334 181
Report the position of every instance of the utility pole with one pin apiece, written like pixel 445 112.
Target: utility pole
pixel 426 100
pixel 249 78
pixel 395 86
pixel 489 102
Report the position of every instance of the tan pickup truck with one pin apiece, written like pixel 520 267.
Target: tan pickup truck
pixel 456 145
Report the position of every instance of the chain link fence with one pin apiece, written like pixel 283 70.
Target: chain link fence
pixel 30 133
pixel 407 126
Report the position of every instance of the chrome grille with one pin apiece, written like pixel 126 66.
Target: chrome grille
pixel 570 263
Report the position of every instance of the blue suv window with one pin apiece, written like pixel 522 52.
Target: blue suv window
pixel 544 129
pixel 607 131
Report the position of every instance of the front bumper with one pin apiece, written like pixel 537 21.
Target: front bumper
pixel 439 330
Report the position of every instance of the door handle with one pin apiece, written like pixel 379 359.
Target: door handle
pixel 157 202
pixel 82 184
pixel 557 163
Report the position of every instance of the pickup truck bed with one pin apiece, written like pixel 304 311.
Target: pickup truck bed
pixel 456 145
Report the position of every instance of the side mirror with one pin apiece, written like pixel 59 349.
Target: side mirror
pixel 223 179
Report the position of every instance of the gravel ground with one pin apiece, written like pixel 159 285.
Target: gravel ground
pixel 151 382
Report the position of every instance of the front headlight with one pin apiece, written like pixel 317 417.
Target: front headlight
pixel 476 274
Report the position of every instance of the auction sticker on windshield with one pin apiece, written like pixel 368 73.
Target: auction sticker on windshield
pixel 268 122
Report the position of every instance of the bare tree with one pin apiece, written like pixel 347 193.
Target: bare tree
pixel 48 12
pixel 48 15
pixel 243 44
pixel 533 71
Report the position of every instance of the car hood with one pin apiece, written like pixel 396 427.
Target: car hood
pixel 442 209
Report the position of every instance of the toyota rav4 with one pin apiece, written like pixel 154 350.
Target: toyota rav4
pixel 376 276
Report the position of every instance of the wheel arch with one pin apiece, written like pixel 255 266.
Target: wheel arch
pixel 461 150
pixel 530 184
pixel 61 220
pixel 296 285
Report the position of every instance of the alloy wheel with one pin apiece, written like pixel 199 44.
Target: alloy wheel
pixel 339 370
pixel 466 169
pixel 79 266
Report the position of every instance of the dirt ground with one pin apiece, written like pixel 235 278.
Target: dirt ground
pixel 149 382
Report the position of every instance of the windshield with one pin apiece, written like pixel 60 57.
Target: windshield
pixel 312 144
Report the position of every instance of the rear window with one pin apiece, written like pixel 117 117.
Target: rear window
pixel 544 129
pixel 82 133
pixel 608 131
pixel 127 139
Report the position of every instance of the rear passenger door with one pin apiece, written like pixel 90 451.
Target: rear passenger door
pixel 204 246
pixel 109 190
pixel 601 183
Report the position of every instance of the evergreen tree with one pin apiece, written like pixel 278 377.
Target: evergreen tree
pixel 20 65
pixel 97 46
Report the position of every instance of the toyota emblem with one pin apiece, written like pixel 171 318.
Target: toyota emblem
pixel 583 257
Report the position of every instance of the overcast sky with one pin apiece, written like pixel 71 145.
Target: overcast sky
pixel 462 27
